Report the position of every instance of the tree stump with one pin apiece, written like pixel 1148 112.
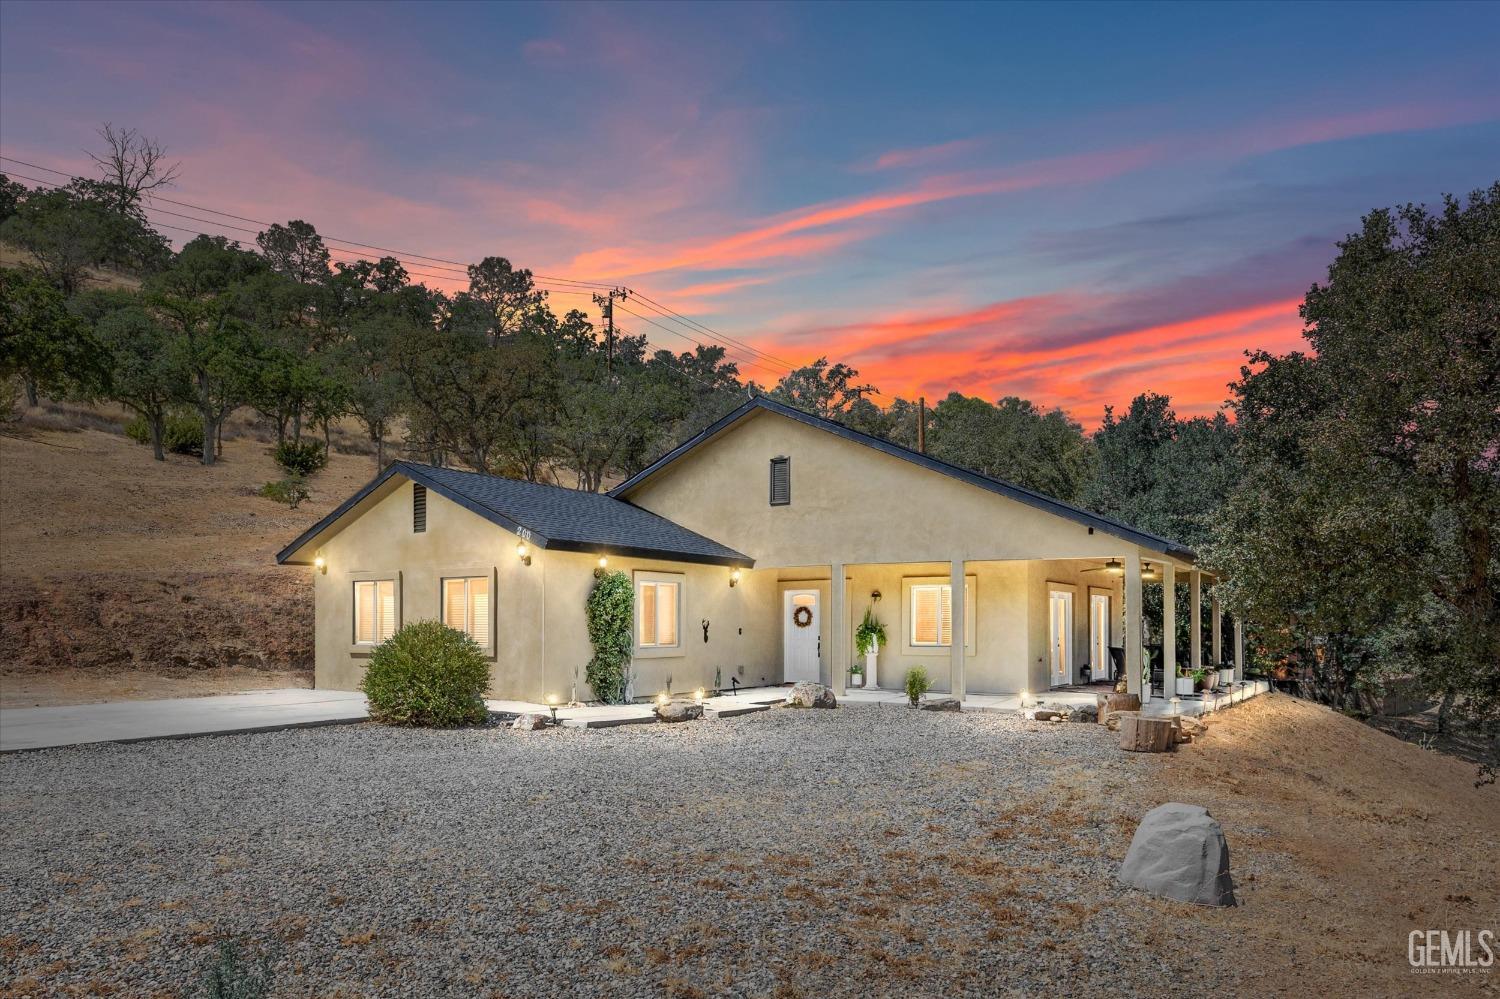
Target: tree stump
pixel 1147 735
pixel 1110 703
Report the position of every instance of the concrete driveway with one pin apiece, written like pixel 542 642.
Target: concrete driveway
pixel 133 721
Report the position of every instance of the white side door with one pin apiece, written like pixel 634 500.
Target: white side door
pixel 800 628
pixel 1061 639
pixel 1099 636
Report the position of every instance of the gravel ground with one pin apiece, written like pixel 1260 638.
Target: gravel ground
pixel 866 850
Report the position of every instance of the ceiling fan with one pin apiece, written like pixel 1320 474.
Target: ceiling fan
pixel 1114 566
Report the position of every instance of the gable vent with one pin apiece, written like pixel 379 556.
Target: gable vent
pixel 781 481
pixel 418 508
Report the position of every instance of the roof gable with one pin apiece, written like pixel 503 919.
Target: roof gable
pixel 549 517
pixel 1010 490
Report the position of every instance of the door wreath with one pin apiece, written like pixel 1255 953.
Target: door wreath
pixel 802 617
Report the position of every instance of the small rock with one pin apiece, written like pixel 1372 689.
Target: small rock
pixel 678 711
pixel 810 695
pixel 1179 852
pixel 529 722
pixel 1040 713
pixel 940 704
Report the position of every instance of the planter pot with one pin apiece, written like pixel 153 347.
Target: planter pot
pixel 870 658
pixel 1226 676
pixel 1184 685
pixel 856 679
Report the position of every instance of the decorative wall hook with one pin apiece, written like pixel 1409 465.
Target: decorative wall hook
pixel 705 629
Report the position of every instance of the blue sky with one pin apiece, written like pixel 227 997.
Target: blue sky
pixel 1072 203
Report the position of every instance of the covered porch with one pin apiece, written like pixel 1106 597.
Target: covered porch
pixel 1025 626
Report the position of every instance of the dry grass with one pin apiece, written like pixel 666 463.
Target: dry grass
pixel 123 576
pixel 1353 839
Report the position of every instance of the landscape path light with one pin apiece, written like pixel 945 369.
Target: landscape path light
pixel 552 707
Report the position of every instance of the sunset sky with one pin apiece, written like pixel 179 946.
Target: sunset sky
pixel 1068 203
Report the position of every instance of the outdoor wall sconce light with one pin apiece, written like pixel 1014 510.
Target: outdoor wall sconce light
pixel 321 564
pixel 875 596
pixel 734 578
pixel 552 707
pixel 523 553
pixel 604 561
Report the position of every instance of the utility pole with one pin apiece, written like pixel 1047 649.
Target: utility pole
pixel 606 305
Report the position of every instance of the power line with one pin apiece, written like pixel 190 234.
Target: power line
pixel 443 264
pixel 668 329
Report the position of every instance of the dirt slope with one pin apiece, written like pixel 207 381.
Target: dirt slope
pixel 1342 840
pixel 114 564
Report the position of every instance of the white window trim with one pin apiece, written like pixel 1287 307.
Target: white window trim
pixel 971 623
pixel 364 648
pixel 659 651
pixel 475 572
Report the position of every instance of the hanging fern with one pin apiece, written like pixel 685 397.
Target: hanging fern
pixel 611 609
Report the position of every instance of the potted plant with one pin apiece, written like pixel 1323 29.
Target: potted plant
pixel 917 684
pixel 1200 679
pixel 868 638
pixel 856 675
pixel 1185 684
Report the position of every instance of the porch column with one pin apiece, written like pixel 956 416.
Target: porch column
pixel 1217 613
pixel 838 630
pixel 1239 648
pixel 1168 631
pixel 1133 622
pixel 958 600
pixel 1195 614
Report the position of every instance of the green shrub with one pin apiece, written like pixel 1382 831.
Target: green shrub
pixel 300 458
pixel 427 674
pixel 917 683
pixel 182 433
pixel 229 976
pixel 611 611
pixel 291 491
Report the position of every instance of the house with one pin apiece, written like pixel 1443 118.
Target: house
pixel 755 549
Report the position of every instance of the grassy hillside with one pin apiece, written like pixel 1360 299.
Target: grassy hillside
pixel 123 576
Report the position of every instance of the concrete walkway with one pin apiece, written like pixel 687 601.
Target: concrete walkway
pixel 133 721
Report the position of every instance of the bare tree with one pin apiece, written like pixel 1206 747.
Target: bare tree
pixel 133 163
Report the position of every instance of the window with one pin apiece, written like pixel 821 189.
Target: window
pixel 418 508
pixel 781 481
pixel 927 615
pixel 658 611
pixel 374 611
pixel 932 615
pixel 466 607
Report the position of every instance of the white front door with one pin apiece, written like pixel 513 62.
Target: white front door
pixel 1099 636
pixel 1061 621
pixel 801 648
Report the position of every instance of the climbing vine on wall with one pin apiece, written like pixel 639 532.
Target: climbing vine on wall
pixel 611 607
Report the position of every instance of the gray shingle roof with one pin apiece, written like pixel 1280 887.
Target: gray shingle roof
pixel 551 517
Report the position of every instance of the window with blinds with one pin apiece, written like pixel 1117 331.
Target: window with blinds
pixel 466 607
pixel 781 481
pixel 932 615
pixel 418 508
pixel 374 611
pixel 658 608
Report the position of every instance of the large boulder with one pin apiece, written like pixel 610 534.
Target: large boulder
pixel 678 711
pixel 940 704
pixel 1083 713
pixel 529 722
pixel 810 695
pixel 1179 852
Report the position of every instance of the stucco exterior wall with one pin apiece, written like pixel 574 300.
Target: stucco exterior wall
pixel 540 625
pixel 850 503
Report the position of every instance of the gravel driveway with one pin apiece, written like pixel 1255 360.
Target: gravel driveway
pixel 861 851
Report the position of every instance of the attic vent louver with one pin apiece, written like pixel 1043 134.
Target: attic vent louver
pixel 418 508
pixel 781 481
